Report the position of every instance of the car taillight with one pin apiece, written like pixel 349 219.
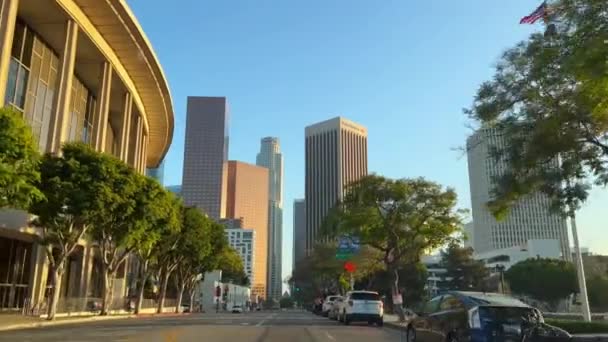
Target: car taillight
pixel 350 303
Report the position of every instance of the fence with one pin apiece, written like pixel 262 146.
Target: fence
pixel 12 296
pixel 79 305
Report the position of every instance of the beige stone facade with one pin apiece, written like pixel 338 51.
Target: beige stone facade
pixel 78 70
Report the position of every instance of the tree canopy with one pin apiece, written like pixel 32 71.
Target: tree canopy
pixel 462 271
pixel 549 99
pixel 19 162
pixel 552 279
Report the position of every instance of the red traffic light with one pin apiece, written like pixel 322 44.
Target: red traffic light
pixel 350 267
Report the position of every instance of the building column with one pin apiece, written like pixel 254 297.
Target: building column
pixel 137 153
pixel 102 110
pixel 39 274
pixel 87 268
pixel 125 128
pixel 8 17
pixel 144 152
pixel 64 90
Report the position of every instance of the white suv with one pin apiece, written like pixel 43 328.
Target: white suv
pixel 328 304
pixel 362 306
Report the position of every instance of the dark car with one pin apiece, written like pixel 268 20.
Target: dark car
pixel 477 317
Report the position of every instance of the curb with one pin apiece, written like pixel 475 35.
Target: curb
pixel 42 324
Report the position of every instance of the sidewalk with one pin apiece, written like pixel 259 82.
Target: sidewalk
pixel 17 321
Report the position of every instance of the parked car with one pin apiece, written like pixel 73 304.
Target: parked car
pixel 475 317
pixel 237 309
pixel 362 306
pixel 335 307
pixel 327 304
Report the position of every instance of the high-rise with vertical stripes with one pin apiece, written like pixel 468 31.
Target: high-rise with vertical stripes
pixel 336 156
pixel 530 218
pixel 271 158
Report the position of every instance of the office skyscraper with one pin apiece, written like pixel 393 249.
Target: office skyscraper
pixel 336 156
pixel 247 199
pixel 205 155
pixel 529 219
pixel 271 158
pixel 299 231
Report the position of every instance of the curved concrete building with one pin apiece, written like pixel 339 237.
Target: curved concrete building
pixel 78 70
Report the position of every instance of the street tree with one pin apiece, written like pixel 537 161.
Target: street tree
pixel 117 223
pixel 194 246
pixel 159 212
pixel 70 184
pixel 19 162
pixel 399 218
pixel 233 270
pixel 548 280
pixel 548 98
pixel 462 271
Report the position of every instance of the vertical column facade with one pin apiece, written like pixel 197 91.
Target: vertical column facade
pixel 103 107
pixel 8 17
pixel 64 90
pixel 125 127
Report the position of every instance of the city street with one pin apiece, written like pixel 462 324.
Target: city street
pixel 276 326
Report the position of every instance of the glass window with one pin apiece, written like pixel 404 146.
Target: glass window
pixel 450 303
pixel 432 305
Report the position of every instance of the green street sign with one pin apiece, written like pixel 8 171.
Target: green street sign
pixel 344 255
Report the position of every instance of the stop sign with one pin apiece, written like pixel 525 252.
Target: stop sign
pixel 350 267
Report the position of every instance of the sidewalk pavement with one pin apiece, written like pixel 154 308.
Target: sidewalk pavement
pixel 17 321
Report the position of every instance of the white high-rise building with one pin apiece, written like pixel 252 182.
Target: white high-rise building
pixel 271 158
pixel 243 241
pixel 529 219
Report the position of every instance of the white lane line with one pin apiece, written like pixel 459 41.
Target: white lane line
pixel 265 319
pixel 329 336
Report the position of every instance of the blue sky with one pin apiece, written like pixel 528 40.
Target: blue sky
pixel 404 69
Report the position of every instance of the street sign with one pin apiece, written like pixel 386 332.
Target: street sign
pixel 347 246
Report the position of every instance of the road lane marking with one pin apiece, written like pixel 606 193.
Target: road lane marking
pixel 329 336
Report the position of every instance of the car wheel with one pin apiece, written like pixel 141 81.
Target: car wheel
pixel 346 320
pixel 380 322
pixel 411 335
pixel 452 338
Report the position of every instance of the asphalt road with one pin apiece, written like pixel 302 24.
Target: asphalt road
pixel 277 326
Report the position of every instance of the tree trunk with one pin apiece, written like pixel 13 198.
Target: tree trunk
pixel 56 277
pixel 398 308
pixel 163 291
pixel 180 294
pixel 108 291
pixel 143 277
pixel 191 295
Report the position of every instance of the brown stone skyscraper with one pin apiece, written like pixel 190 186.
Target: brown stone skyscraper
pixel 336 156
pixel 205 155
pixel 247 198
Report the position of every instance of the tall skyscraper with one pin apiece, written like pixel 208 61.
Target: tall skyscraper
pixel 299 231
pixel 529 219
pixel 336 156
pixel 247 199
pixel 271 158
pixel 205 155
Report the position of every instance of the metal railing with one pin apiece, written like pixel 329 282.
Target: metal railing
pixel 12 296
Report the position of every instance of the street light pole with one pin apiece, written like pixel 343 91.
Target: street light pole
pixel 580 271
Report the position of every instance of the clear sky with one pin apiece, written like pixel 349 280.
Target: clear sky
pixel 402 68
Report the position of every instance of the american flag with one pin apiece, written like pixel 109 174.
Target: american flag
pixel 534 16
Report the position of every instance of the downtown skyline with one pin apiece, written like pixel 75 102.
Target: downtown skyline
pixel 407 91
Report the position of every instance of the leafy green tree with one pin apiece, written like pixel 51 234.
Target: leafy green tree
pixel 399 218
pixel 597 287
pixel 19 162
pixel 117 223
pixel 194 246
pixel 233 270
pixel 462 271
pixel 71 184
pixel 412 281
pixel 552 279
pixel 549 99
pixel 159 212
